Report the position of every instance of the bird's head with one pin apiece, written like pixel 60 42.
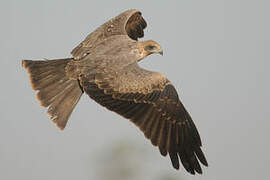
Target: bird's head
pixel 150 47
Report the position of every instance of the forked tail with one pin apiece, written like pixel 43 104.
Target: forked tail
pixel 55 90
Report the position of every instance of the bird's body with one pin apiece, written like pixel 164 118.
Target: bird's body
pixel 105 66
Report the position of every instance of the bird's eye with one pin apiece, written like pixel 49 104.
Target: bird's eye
pixel 150 47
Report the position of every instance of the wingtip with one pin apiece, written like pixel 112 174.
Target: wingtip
pixel 206 164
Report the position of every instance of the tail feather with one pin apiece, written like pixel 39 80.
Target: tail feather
pixel 61 105
pixel 48 94
pixel 55 89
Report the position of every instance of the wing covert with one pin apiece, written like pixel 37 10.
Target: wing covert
pixel 153 105
pixel 129 23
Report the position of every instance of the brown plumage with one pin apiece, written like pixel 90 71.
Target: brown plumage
pixel 105 66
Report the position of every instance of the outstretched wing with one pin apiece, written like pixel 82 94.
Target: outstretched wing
pixel 150 101
pixel 129 23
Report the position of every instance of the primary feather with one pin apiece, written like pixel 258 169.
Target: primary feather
pixel 105 66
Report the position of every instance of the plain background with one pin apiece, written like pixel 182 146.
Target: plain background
pixel 216 53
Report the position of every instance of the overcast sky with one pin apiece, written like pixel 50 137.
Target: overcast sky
pixel 216 53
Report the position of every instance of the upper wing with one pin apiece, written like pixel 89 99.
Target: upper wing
pixel 150 101
pixel 129 23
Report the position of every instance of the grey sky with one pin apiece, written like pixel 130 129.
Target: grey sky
pixel 215 52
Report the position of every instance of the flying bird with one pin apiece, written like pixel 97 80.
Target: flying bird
pixel 105 66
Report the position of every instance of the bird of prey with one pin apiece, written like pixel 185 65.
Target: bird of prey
pixel 105 66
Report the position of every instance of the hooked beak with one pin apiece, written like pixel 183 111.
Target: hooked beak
pixel 161 52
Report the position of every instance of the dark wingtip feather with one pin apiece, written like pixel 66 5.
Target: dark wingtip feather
pixel 162 151
pixel 135 26
pixel 196 164
pixel 201 156
pixel 174 160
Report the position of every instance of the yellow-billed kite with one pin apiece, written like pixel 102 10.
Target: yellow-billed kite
pixel 105 66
